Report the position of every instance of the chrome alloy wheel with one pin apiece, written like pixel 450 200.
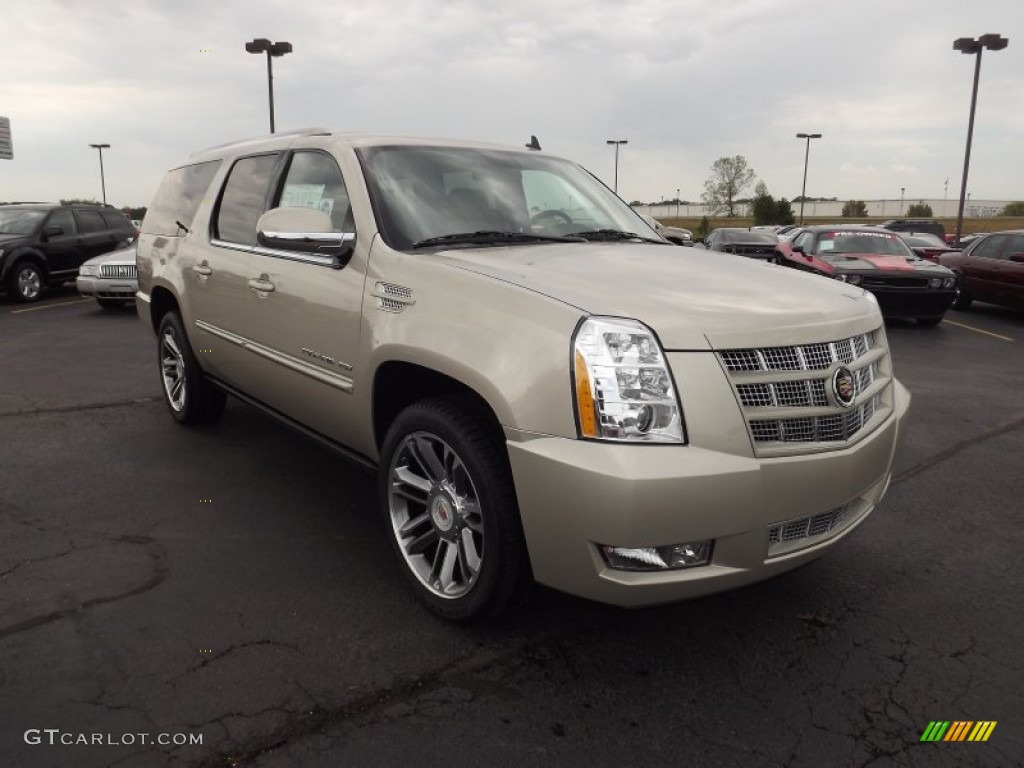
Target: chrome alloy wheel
pixel 435 515
pixel 29 282
pixel 172 370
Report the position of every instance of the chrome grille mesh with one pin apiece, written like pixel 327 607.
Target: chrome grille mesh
pixel 764 379
pixel 117 270
pixel 807 527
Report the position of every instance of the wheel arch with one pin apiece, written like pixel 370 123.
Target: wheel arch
pixel 25 254
pixel 398 384
pixel 161 301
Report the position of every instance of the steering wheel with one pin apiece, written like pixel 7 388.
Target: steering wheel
pixel 560 216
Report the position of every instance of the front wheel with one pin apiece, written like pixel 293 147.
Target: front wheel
pixel 190 398
pixel 446 490
pixel 26 281
pixel 963 298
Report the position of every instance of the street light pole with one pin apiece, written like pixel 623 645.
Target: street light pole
pixel 103 181
pixel 677 202
pixel 617 143
pixel 902 190
pixel 262 45
pixel 968 45
pixel 807 154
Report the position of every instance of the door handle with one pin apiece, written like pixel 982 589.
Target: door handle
pixel 262 284
pixel 202 269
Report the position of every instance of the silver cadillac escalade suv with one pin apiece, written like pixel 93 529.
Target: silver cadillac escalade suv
pixel 546 388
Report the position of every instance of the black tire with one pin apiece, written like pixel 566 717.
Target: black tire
pixel 467 486
pixel 26 281
pixel 111 303
pixel 963 299
pixel 190 398
pixel 929 321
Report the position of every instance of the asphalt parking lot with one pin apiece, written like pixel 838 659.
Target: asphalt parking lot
pixel 234 584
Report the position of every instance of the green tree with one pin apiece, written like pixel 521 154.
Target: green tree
pixel 920 210
pixel 855 209
pixel 1013 209
pixel 729 177
pixel 784 212
pixel 704 228
pixel 763 206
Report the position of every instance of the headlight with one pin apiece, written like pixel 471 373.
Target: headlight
pixel 88 269
pixel 935 282
pixel 949 282
pixel 622 386
pixel 844 277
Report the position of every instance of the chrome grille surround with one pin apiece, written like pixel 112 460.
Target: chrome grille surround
pixel 786 393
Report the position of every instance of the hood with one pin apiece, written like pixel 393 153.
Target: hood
pixel 873 262
pixel 692 299
pixel 120 256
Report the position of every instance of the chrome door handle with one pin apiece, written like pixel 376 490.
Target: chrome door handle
pixel 261 284
pixel 202 269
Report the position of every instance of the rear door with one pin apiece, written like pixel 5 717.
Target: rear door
pixel 95 237
pixel 217 273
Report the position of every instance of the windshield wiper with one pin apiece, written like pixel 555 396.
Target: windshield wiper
pixel 614 234
pixel 489 237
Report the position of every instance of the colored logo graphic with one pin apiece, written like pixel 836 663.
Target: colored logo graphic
pixel 958 730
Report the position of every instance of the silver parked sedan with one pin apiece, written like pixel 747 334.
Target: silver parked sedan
pixel 110 278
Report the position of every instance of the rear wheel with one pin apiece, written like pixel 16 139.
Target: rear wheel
pixel 446 490
pixel 26 281
pixel 190 398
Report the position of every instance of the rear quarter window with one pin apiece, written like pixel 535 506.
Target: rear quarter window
pixel 178 198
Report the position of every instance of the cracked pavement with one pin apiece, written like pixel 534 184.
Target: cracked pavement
pixel 273 620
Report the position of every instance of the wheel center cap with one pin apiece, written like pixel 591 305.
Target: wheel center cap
pixel 442 514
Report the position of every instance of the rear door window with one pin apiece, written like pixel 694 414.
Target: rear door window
pixel 90 221
pixel 179 197
pixel 244 199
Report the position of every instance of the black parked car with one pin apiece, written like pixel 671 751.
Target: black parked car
pixel 758 245
pixel 879 261
pixel 915 225
pixel 43 243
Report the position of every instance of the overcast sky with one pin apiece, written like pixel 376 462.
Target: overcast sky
pixel 685 81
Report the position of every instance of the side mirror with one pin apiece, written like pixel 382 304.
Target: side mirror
pixel 307 230
pixel 49 232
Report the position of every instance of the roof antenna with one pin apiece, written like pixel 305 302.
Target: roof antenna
pixel 534 144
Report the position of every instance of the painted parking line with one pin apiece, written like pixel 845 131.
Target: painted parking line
pixel 978 330
pixel 48 306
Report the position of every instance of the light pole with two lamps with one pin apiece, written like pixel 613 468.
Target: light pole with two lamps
pixel 807 154
pixel 993 42
pixel 262 45
pixel 103 181
pixel 617 143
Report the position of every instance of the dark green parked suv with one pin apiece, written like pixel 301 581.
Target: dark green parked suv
pixel 44 243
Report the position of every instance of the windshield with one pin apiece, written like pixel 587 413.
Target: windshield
pixel 924 241
pixel 423 193
pixel 881 243
pixel 743 236
pixel 19 222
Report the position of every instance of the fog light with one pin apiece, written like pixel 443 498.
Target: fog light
pixel 669 558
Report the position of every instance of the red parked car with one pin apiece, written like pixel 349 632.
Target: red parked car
pixel 990 269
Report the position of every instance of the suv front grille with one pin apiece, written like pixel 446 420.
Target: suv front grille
pixel 786 392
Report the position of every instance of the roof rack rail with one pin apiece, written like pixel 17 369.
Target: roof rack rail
pixel 312 131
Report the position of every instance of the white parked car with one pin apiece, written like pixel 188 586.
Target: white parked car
pixel 110 278
pixel 676 235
